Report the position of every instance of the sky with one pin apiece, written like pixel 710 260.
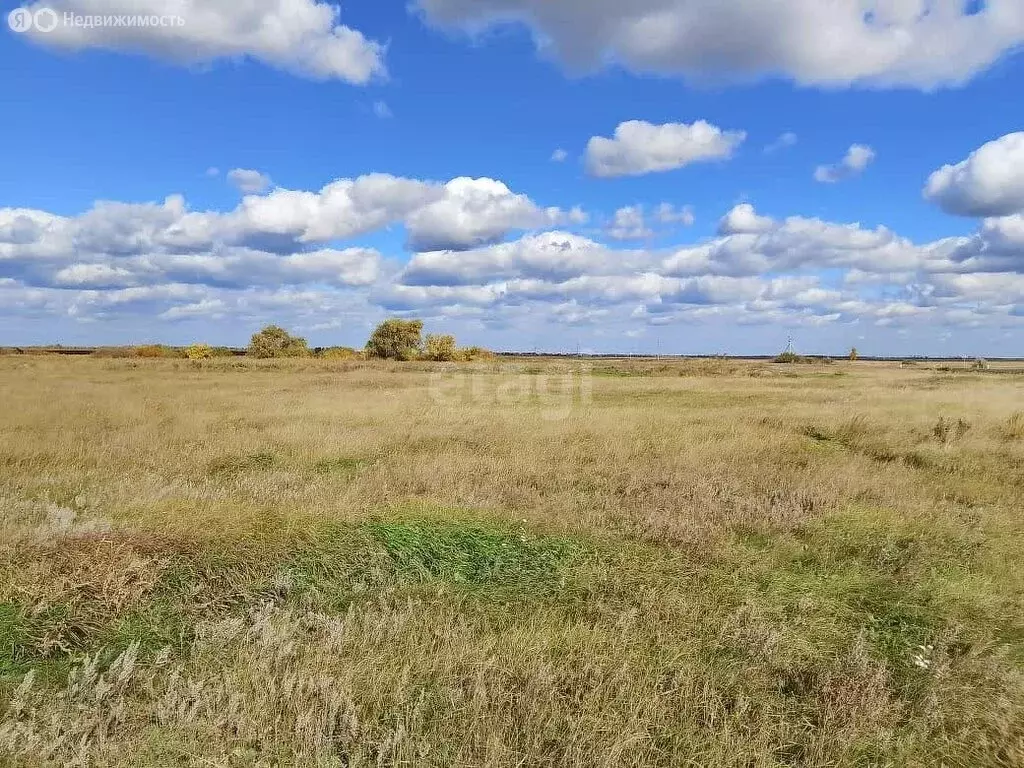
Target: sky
pixel 670 176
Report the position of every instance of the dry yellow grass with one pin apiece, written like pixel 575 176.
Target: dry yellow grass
pixel 233 562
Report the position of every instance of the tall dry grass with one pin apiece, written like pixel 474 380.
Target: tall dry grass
pixel 227 562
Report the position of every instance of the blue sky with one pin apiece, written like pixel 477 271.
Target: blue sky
pixel 847 232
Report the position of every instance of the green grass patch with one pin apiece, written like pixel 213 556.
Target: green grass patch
pixel 232 465
pixel 12 637
pixel 475 556
pixel 339 465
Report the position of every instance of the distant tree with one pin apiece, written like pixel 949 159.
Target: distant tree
pixel 274 341
pixel 441 348
pixel 339 353
pixel 471 354
pixel 854 355
pixel 396 339
pixel 150 350
pixel 199 352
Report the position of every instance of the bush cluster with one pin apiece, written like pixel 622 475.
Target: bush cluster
pixel 339 353
pixel 393 339
pixel 397 339
pixel 274 341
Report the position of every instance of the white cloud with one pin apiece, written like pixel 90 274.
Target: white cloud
pixel 632 222
pixel 382 110
pixel 548 255
pixel 990 182
pixel 212 308
pixel 879 43
pixel 559 156
pixel 344 208
pixel 858 157
pixel 299 36
pixel 668 214
pixel 640 147
pixel 247 181
pixel 474 212
pixel 743 220
pixel 997 246
pixel 629 223
pixel 268 238
pixel 275 257
pixel 786 140
pixel 753 245
pixel 93 275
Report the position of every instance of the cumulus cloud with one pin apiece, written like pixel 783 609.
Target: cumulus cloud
pixel 639 147
pixel 758 270
pixel 629 223
pixel 753 245
pixel 990 182
pixel 858 157
pixel 668 214
pixel 559 156
pixel 247 181
pixel 275 238
pixel 544 256
pixel 997 246
pixel 743 220
pixel 474 212
pixel 342 209
pixel 876 43
pixel 277 254
pixel 299 36
pixel 632 222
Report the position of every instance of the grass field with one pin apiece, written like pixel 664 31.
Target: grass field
pixel 687 563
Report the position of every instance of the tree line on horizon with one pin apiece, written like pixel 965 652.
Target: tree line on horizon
pixel 393 339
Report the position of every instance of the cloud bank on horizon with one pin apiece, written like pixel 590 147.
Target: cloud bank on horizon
pixel 625 246
pixel 279 247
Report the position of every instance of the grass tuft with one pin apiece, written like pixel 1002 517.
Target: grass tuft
pixel 475 556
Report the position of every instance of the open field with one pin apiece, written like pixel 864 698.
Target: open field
pixel 688 563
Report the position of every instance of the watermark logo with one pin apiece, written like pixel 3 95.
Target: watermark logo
pixel 20 20
pixel 47 20
pixel 24 20
pixel 554 393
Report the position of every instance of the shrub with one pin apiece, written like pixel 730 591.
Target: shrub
pixel 441 348
pixel 396 339
pixel 151 350
pixel 339 353
pixel 471 354
pixel 199 352
pixel 274 341
pixel 787 357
